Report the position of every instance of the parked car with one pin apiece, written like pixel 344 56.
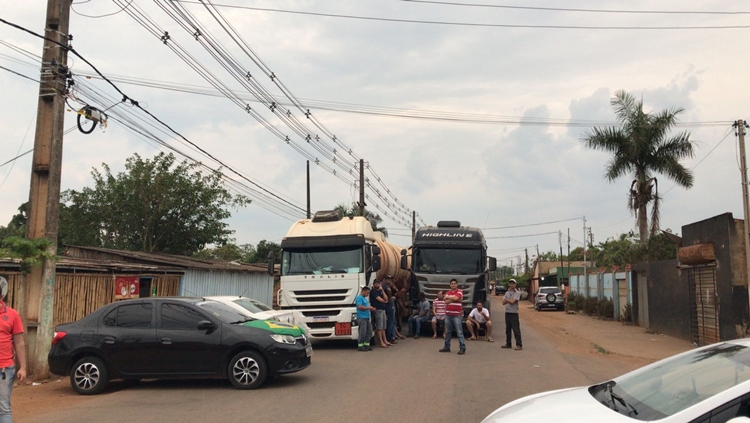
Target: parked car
pixel 549 297
pixel 708 384
pixel 175 337
pixel 500 289
pixel 254 308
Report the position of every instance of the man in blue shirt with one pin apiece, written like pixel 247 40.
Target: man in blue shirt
pixel 421 315
pixel 363 320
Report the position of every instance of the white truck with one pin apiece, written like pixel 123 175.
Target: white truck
pixel 325 263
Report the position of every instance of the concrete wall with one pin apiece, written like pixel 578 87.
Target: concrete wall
pixel 731 275
pixel 668 299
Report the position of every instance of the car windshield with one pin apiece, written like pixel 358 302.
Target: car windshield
pixel 322 261
pixel 681 382
pixel 251 305
pixel 452 261
pixel 549 290
pixel 222 312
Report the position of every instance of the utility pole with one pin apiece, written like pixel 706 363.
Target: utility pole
pixel 413 225
pixel 44 192
pixel 562 266
pixel 739 127
pixel 308 189
pixel 362 187
pixel 526 252
pixel 585 276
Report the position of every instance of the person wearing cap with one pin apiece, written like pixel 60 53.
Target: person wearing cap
pixel 379 301
pixel 12 349
pixel 512 324
pixel 391 332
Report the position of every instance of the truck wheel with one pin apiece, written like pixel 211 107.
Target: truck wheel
pixel 89 376
pixel 247 370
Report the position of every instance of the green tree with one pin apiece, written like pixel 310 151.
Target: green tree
pixel 17 225
pixel 641 147
pixel 31 252
pixel 374 218
pixel 156 205
pixel 263 249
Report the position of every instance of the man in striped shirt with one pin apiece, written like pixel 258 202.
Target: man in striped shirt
pixel 454 312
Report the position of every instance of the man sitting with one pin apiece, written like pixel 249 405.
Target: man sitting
pixel 421 315
pixel 438 313
pixel 479 318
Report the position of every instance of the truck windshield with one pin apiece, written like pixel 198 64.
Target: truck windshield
pixel 448 261
pixel 322 261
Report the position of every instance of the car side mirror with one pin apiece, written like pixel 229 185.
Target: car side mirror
pixel 206 325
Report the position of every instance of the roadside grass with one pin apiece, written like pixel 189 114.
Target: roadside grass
pixel 600 350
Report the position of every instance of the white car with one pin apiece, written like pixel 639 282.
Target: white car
pixel 257 310
pixel 706 385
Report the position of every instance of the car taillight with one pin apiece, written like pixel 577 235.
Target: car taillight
pixel 57 337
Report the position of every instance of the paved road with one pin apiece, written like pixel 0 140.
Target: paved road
pixel 410 382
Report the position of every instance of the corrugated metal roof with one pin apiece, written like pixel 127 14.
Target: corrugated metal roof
pixel 91 265
pixel 100 254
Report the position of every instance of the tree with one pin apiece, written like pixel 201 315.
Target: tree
pixel 641 147
pixel 31 252
pixel 17 225
pixel 263 248
pixel 373 218
pixel 156 205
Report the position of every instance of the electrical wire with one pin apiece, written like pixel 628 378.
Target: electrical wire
pixel 533 224
pixel 470 24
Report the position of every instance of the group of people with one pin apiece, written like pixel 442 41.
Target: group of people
pixel 378 306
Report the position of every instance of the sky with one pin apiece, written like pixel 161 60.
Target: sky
pixel 469 110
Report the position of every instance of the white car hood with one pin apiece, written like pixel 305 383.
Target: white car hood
pixel 578 405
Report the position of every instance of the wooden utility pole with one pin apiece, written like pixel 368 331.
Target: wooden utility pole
pixel 44 192
pixel 740 126
pixel 413 225
pixel 362 187
pixel 308 189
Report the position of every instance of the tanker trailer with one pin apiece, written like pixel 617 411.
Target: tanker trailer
pixel 325 263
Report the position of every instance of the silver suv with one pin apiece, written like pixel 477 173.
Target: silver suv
pixel 549 297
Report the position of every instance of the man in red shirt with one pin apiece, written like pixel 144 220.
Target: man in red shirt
pixel 454 311
pixel 11 339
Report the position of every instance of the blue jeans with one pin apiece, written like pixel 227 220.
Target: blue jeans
pixel 390 332
pixel 6 386
pixel 415 324
pixel 451 323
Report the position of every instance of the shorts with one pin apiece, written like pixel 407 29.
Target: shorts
pixel 379 319
pixel 440 318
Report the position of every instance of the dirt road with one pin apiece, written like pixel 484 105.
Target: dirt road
pixel 586 341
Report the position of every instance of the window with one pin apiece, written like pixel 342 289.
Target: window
pixel 450 261
pixel 322 261
pixel 131 316
pixel 179 317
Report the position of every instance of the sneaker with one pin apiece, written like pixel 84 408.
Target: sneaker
pixel 416 336
pixel 444 350
pixel 368 348
pixel 461 351
pixel 519 347
pixel 506 346
pixel 362 349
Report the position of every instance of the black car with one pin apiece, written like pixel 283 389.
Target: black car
pixel 174 337
pixel 500 289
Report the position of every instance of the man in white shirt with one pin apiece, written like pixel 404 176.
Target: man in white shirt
pixel 479 317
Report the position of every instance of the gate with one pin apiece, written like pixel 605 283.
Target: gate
pixel 704 304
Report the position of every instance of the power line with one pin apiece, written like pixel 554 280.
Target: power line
pixel 471 24
pixel 560 9
pixel 521 236
pixel 533 224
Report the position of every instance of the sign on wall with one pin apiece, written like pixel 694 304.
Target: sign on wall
pixel 127 287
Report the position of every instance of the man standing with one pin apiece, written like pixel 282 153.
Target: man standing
pixel 453 313
pixel 11 340
pixel 363 320
pixel 478 317
pixel 421 315
pixel 379 301
pixel 510 301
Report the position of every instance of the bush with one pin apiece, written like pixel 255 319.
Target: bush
pixel 591 306
pixel 571 305
pixel 627 315
pixel 606 309
pixel 580 302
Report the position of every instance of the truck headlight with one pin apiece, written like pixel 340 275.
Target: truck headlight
pixel 284 339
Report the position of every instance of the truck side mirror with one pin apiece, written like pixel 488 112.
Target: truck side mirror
pixel 375 250
pixel 403 262
pixel 375 263
pixel 403 252
pixel 271 256
pixel 493 263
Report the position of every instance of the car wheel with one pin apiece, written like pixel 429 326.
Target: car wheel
pixel 551 298
pixel 89 376
pixel 247 370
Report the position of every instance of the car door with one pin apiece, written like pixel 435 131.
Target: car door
pixel 185 349
pixel 127 336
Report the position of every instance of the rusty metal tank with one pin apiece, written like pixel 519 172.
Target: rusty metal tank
pixel 390 261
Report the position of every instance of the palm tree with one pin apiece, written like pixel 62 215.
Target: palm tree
pixel 373 218
pixel 641 147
